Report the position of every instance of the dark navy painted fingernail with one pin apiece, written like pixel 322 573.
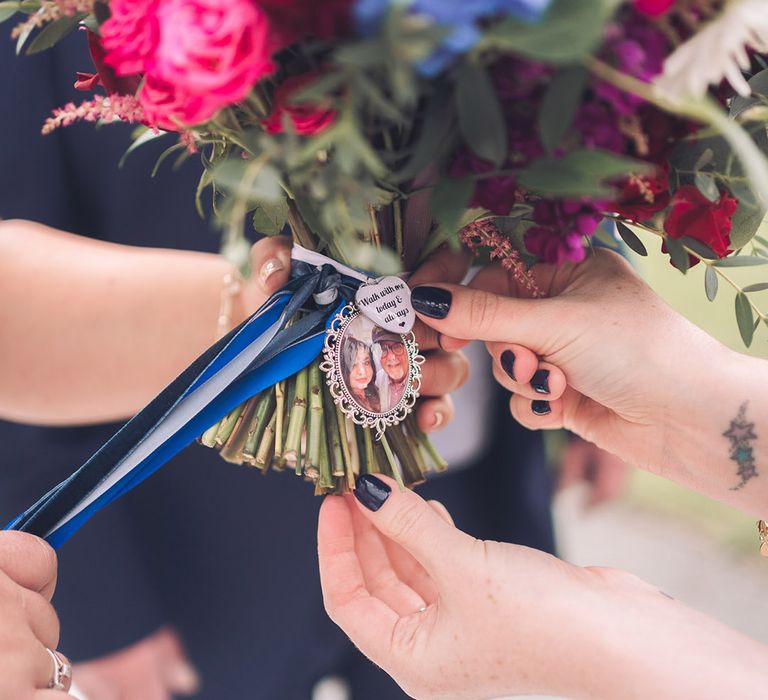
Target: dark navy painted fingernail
pixel 540 381
pixel 431 301
pixel 540 408
pixel 508 363
pixel 371 492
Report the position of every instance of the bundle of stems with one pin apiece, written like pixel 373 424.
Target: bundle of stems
pixel 297 425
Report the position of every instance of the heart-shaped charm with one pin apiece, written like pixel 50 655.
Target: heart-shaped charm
pixel 387 302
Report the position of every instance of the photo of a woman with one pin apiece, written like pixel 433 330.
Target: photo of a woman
pixel 359 373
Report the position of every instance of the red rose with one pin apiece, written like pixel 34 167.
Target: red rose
pixel 197 56
pixel 308 118
pixel 654 8
pixel 294 20
pixel 695 216
pixel 641 197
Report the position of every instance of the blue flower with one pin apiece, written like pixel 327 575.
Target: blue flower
pixel 460 17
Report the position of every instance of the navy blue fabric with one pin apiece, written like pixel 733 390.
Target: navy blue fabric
pixel 223 554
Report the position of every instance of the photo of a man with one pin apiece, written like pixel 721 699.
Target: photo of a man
pixel 392 378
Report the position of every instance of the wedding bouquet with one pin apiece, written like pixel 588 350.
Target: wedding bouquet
pixel 376 131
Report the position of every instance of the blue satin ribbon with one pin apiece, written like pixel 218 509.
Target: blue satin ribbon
pixel 262 351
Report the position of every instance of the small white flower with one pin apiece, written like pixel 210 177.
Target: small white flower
pixel 718 51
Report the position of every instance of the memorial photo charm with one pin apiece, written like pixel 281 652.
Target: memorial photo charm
pixel 374 375
pixel 387 302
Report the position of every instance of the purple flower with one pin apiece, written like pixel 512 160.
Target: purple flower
pixel 551 247
pixel 561 226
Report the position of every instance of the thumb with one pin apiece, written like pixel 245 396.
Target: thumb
pixel 407 519
pixel 475 314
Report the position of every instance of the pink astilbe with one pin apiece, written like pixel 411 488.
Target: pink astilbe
pixel 115 107
pixel 50 11
pixel 485 234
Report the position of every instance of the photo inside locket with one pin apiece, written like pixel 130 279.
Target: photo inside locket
pixel 375 367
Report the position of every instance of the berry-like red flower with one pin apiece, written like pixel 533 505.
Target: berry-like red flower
pixel 697 217
pixel 308 118
pixel 654 8
pixel 641 197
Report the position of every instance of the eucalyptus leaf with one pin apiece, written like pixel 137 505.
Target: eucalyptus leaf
pixel 580 172
pixel 144 137
pixel 745 318
pixel 757 287
pixel 759 85
pixel 7 12
pixel 711 283
pixel 630 238
pixel 450 198
pixel 559 105
pixel 568 32
pixel 707 186
pixel 480 116
pixel 741 261
pixel 701 249
pixel 54 32
pixel 677 254
pixel 270 218
pixel 253 182
pixel 603 236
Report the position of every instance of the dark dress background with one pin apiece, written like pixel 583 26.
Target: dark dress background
pixel 225 556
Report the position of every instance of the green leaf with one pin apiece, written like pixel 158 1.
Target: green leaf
pixel 744 318
pixel 580 172
pixel 270 218
pixel 449 200
pixel 480 117
pixel 758 287
pixel 701 249
pixel 741 261
pixel 6 13
pixel 707 186
pixel 144 137
pixel 759 84
pixel 630 238
pixel 604 237
pixel 568 32
pixel 54 32
pixel 559 105
pixel 677 254
pixel 710 283
pixel 250 181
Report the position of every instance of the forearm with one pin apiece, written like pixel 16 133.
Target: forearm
pixel 716 440
pixel 650 646
pixel 90 331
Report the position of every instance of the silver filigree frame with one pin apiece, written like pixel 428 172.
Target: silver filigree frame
pixel 331 365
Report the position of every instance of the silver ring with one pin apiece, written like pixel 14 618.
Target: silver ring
pixel 62 672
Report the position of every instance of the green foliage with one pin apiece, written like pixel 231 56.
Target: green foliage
pixel 630 238
pixel 269 218
pixel 449 201
pixel 745 318
pixel 480 117
pixel 54 32
pixel 710 283
pixel 568 33
pixel 677 253
pixel 559 105
pixel 580 172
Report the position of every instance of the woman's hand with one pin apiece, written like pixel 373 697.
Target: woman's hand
pixel 449 616
pixel 28 622
pixel 605 357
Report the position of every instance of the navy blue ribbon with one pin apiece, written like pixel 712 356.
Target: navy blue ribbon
pixel 276 342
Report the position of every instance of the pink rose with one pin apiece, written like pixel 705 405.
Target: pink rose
pixel 197 56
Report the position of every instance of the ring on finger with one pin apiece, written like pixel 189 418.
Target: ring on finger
pixel 62 672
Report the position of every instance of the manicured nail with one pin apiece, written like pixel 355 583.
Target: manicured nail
pixel 437 419
pixel 183 678
pixel 540 408
pixel 540 381
pixel 269 268
pixel 431 301
pixel 371 492
pixel 508 363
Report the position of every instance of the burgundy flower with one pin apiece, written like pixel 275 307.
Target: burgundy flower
pixel 561 228
pixel 105 75
pixel 653 8
pixel 293 20
pixel 307 118
pixel 642 197
pixel 693 215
